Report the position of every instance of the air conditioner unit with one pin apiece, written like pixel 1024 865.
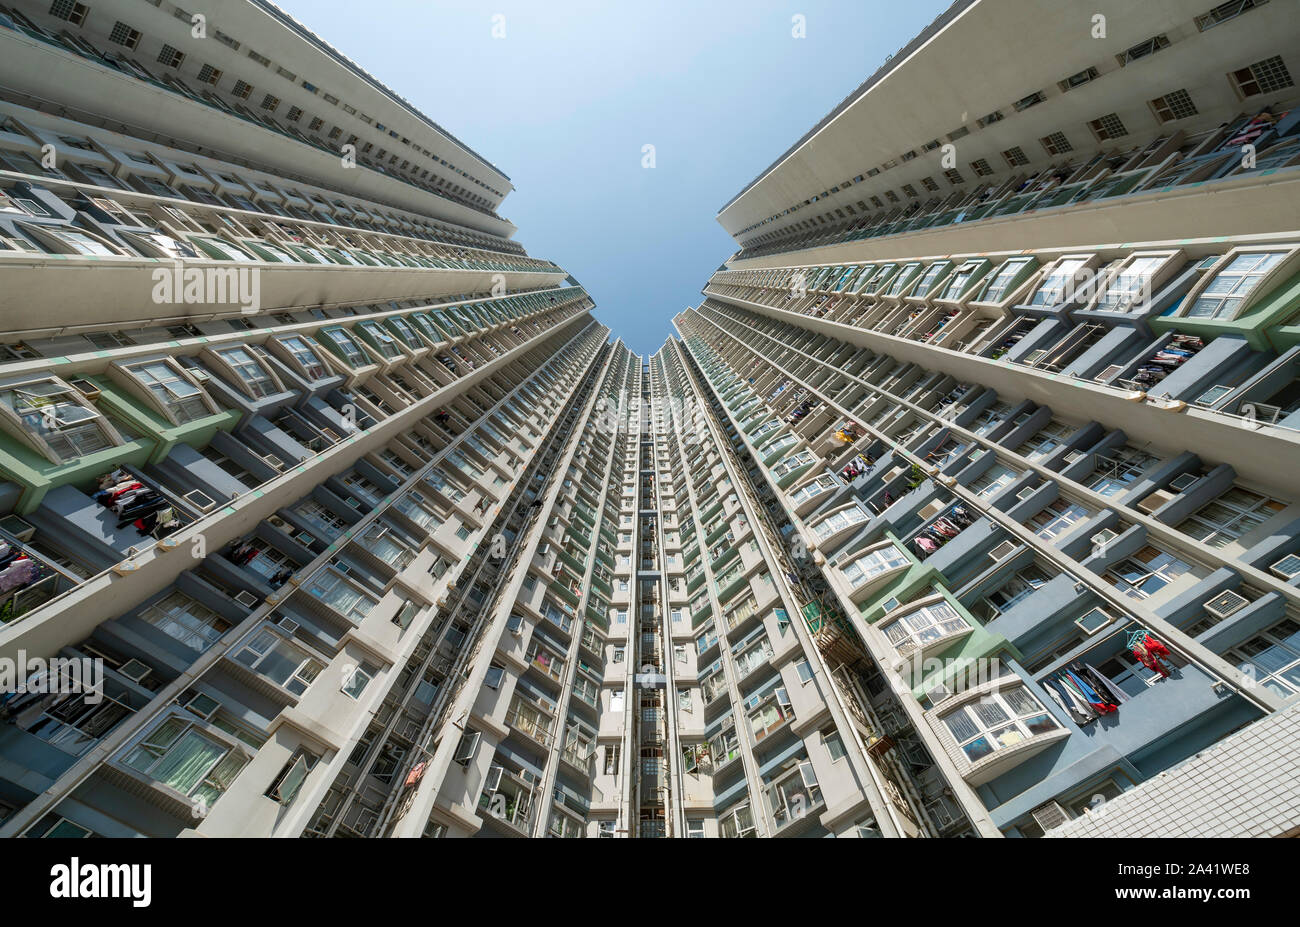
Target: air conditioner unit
pixel 274 461
pixel 1226 603
pixel 1288 567
pixel 1050 815
pixel 200 500
pixel 19 529
pixel 135 670
pixel 931 510
pixel 246 599
pixel 200 376
pixel 937 695
pixel 287 625
pixel 1111 371
pixel 1183 483
pixel 1003 550
pixel 1105 536
pixel 1155 501
pixel 1073 457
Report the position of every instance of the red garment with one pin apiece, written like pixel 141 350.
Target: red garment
pixel 1149 651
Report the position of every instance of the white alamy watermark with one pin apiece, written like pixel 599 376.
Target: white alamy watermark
pixel 956 674
pixel 53 676
pixel 75 879
pixel 180 285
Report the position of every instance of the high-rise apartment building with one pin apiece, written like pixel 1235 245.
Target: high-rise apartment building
pixel 965 504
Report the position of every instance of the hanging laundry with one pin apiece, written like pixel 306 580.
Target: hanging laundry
pixel 1149 652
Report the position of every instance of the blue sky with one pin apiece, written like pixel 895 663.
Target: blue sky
pixel 565 101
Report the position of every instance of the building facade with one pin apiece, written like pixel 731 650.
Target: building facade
pixel 967 507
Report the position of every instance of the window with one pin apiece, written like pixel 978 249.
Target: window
pixel 854 515
pixel 1225 295
pixel 992 480
pixel 181 399
pixel 924 626
pixel 1113 474
pixel 1017 588
pixel 1176 104
pixel 1228 517
pixel 737 821
pixel 285 664
pixel 1145 573
pixel 1226 11
pixel 834 745
pixel 188 758
pixel 616 700
pixel 1272 658
pixel 1056 143
pixel 1015 156
pixel 996 721
pixel 612 756
pixel 170 57
pixel 804 669
pixel 1032 99
pixel 1107 127
pixel 69 11
pixel 57 415
pixel 1057 283
pixel 242 90
pixel 209 75
pixel 1143 49
pixel 55 826
pixel 1051 436
pixel 270 103
pixel 355 682
pixel 306 357
pixel 694 828
pixel 122 34
pixel 284 787
pixel 1264 76
pixel 996 289
pixel 1058 517
pixel 257 381
pixel 331 588
pixel 1078 80
pixel 873 563
pixel 184 619
pixel 347 347
pixel 1129 284
pixel 981 167
pixel 66 240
